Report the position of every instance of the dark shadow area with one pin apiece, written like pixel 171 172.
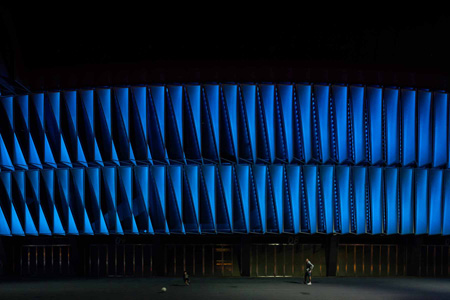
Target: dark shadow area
pixel 229 288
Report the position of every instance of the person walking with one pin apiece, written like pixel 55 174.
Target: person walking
pixel 308 272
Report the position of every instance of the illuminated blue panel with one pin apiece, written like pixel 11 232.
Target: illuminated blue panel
pixel 47 202
pixel 392 126
pixel 125 200
pixel 281 153
pixel 121 126
pixel 38 130
pixel 239 224
pixel 191 198
pixel 6 206
pixel 226 186
pixel 139 98
pixel 435 190
pixel 440 112
pixel 176 95
pixel 193 109
pixel 321 94
pixel 194 100
pixel 62 201
pixel 212 97
pixel 104 127
pixel 259 172
pixel 104 130
pixel 391 194
pixel 141 200
pixel 249 97
pixel 342 182
pixel 375 188
pixel 7 131
pixel 86 127
pixel 424 134
pixel 246 151
pixel 69 124
pixel 446 204
pixel 158 182
pixel 408 127
pixel 285 94
pixel 255 215
pixel 93 204
pixel 357 107
pixel 33 196
pixel 174 122
pixel 19 203
pixel 70 101
pixel 141 203
pixel 21 124
pixel 5 160
pixel 138 124
pixel 53 128
pixel 374 99
pixel 206 220
pixel 293 174
pixel 15 228
pixel 326 179
pixel 156 123
pixel 288 218
pixel 77 201
pixel 192 175
pixel 359 183
pixel 267 96
pixel 37 101
pixel 230 93
pixel 109 198
pixel 157 95
pixel 175 192
pixel 310 175
pixel 7 105
pixel 340 107
pixel 304 98
pixel 8 138
pixel 276 175
pixel 209 177
pixel 242 172
pixel 421 197
pixel 4 228
pixel 407 201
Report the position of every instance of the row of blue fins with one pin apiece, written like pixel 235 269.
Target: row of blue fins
pixel 227 198
pixel 225 123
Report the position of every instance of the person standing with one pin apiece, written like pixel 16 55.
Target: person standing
pixel 186 278
pixel 308 272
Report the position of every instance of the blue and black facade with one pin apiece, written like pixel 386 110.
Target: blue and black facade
pixel 204 161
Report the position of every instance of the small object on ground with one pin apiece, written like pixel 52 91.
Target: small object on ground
pixel 163 289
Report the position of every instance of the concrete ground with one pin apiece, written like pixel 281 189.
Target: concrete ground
pixel 227 288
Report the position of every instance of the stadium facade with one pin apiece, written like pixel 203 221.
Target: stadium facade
pixel 227 179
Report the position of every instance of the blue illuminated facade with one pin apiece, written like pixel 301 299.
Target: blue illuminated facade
pixel 225 158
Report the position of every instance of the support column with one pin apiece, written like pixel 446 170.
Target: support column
pixel 331 252
pixel 413 261
pixel 245 256
pixel 2 259
pixel 158 258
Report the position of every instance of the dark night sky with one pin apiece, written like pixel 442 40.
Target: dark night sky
pixel 130 45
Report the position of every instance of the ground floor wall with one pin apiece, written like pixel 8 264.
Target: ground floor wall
pixel 224 256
